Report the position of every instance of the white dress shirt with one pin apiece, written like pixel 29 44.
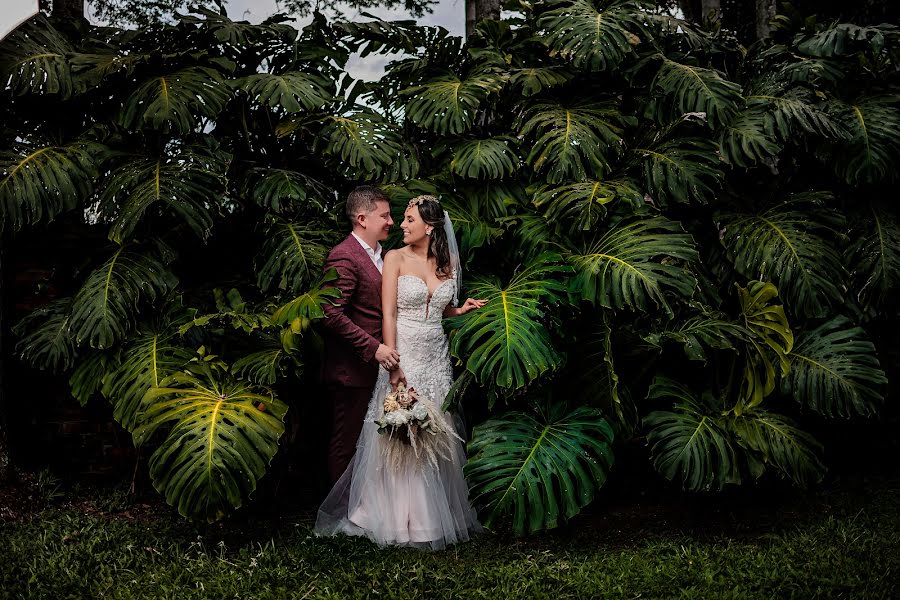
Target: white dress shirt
pixel 375 254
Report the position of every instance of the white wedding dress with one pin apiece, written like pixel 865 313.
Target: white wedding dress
pixel 412 501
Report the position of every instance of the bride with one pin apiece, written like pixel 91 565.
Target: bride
pixel 390 493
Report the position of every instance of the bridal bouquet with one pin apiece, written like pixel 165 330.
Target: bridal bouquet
pixel 404 415
pixel 407 417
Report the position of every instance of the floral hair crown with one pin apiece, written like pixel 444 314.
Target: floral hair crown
pixel 423 198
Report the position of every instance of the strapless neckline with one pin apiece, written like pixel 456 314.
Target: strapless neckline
pixel 431 292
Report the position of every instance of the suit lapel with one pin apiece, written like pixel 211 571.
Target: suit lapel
pixel 363 256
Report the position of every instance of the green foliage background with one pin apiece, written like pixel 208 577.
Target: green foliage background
pixel 681 240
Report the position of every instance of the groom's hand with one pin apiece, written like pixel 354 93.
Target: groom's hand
pixel 387 357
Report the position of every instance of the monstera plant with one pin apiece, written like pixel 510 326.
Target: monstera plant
pixel 681 241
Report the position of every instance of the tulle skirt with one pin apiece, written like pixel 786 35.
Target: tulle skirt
pixel 400 498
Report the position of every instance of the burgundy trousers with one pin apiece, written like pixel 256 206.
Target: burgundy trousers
pixel 349 406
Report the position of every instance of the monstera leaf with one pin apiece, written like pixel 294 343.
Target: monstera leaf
pixel 300 312
pixel 582 205
pixel 841 38
pixel 537 469
pixel 220 437
pixel 748 138
pixel 791 245
pixel 106 306
pixel 573 142
pixel 189 183
pixel 681 170
pixel 631 265
pixel 47 341
pixel 448 104
pixel 470 213
pixel 364 141
pixel 875 255
pixel 690 444
pixel 709 330
pixel 41 182
pixel 778 442
pixel 693 89
pixel 533 80
pixel 771 334
pixel 34 61
pixel 293 254
pixel 598 40
pixel 282 190
pixel 835 371
pixel 87 377
pixel 142 365
pixel 870 154
pixel 262 367
pixel 506 342
pixel 294 91
pixel 175 100
pixel 491 158
pixel 591 373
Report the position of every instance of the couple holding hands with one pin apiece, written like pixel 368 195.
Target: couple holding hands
pixel 384 332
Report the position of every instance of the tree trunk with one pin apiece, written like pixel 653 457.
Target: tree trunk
pixel 765 10
pixel 711 11
pixel 477 10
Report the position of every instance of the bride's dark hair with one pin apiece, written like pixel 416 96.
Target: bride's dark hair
pixel 432 214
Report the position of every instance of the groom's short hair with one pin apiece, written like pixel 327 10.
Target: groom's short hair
pixel 362 200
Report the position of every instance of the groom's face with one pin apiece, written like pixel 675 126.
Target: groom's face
pixel 379 221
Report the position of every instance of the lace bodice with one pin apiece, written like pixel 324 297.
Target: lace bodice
pixel 424 351
pixel 415 305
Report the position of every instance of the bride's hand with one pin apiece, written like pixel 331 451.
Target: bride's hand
pixel 397 376
pixel 471 304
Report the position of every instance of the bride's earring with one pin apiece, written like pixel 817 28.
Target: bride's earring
pixel 428 232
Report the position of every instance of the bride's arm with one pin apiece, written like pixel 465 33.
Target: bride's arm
pixel 469 305
pixel 389 276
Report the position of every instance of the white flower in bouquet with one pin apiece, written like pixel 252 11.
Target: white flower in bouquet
pixel 419 411
pixel 397 418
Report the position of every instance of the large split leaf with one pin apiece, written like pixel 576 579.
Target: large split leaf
pixel 293 254
pixel 690 443
pixel 364 141
pixel 176 100
pixel 537 469
pixel 693 89
pixel 574 142
pixel 632 265
pixel 581 206
pixel 35 61
pixel 596 39
pixel 46 340
pixel 281 190
pixel 681 170
pixel 294 91
pixel 448 104
pixel 41 182
pixel 143 364
pixel 771 334
pixel 492 158
pixel 874 256
pixel 793 246
pixel 533 80
pixel 106 306
pixel 871 153
pixel 221 435
pixel 506 342
pixel 780 443
pixel 696 334
pixel 189 183
pixel 835 371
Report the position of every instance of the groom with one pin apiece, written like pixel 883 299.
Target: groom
pixel 353 348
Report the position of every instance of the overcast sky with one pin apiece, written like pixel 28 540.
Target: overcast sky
pixel 449 14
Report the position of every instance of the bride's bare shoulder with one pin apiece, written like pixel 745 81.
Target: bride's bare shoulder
pixel 394 257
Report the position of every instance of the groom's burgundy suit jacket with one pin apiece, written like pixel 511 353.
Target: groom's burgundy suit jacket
pixel 353 323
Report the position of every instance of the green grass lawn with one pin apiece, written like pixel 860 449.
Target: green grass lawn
pixel 839 542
